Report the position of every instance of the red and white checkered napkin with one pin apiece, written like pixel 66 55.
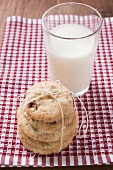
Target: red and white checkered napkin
pixel 24 62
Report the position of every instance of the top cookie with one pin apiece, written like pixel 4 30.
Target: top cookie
pixel 45 100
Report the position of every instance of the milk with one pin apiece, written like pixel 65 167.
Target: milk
pixel 71 60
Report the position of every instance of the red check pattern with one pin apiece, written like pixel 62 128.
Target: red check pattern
pixel 24 62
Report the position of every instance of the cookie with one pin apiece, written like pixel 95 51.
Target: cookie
pixel 42 135
pixel 47 151
pixel 45 105
pixel 47 120
pixel 55 125
pixel 44 145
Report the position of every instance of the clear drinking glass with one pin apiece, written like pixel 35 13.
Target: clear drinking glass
pixel 71 34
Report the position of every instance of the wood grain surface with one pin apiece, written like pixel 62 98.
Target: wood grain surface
pixel 35 9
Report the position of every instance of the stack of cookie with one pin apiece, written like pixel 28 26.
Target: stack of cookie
pixel 47 120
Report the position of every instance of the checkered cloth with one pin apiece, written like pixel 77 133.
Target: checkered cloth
pixel 24 62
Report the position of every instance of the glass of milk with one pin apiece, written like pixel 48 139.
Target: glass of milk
pixel 71 34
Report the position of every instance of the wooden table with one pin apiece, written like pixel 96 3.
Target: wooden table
pixel 35 9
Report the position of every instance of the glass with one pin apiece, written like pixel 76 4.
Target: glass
pixel 71 34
